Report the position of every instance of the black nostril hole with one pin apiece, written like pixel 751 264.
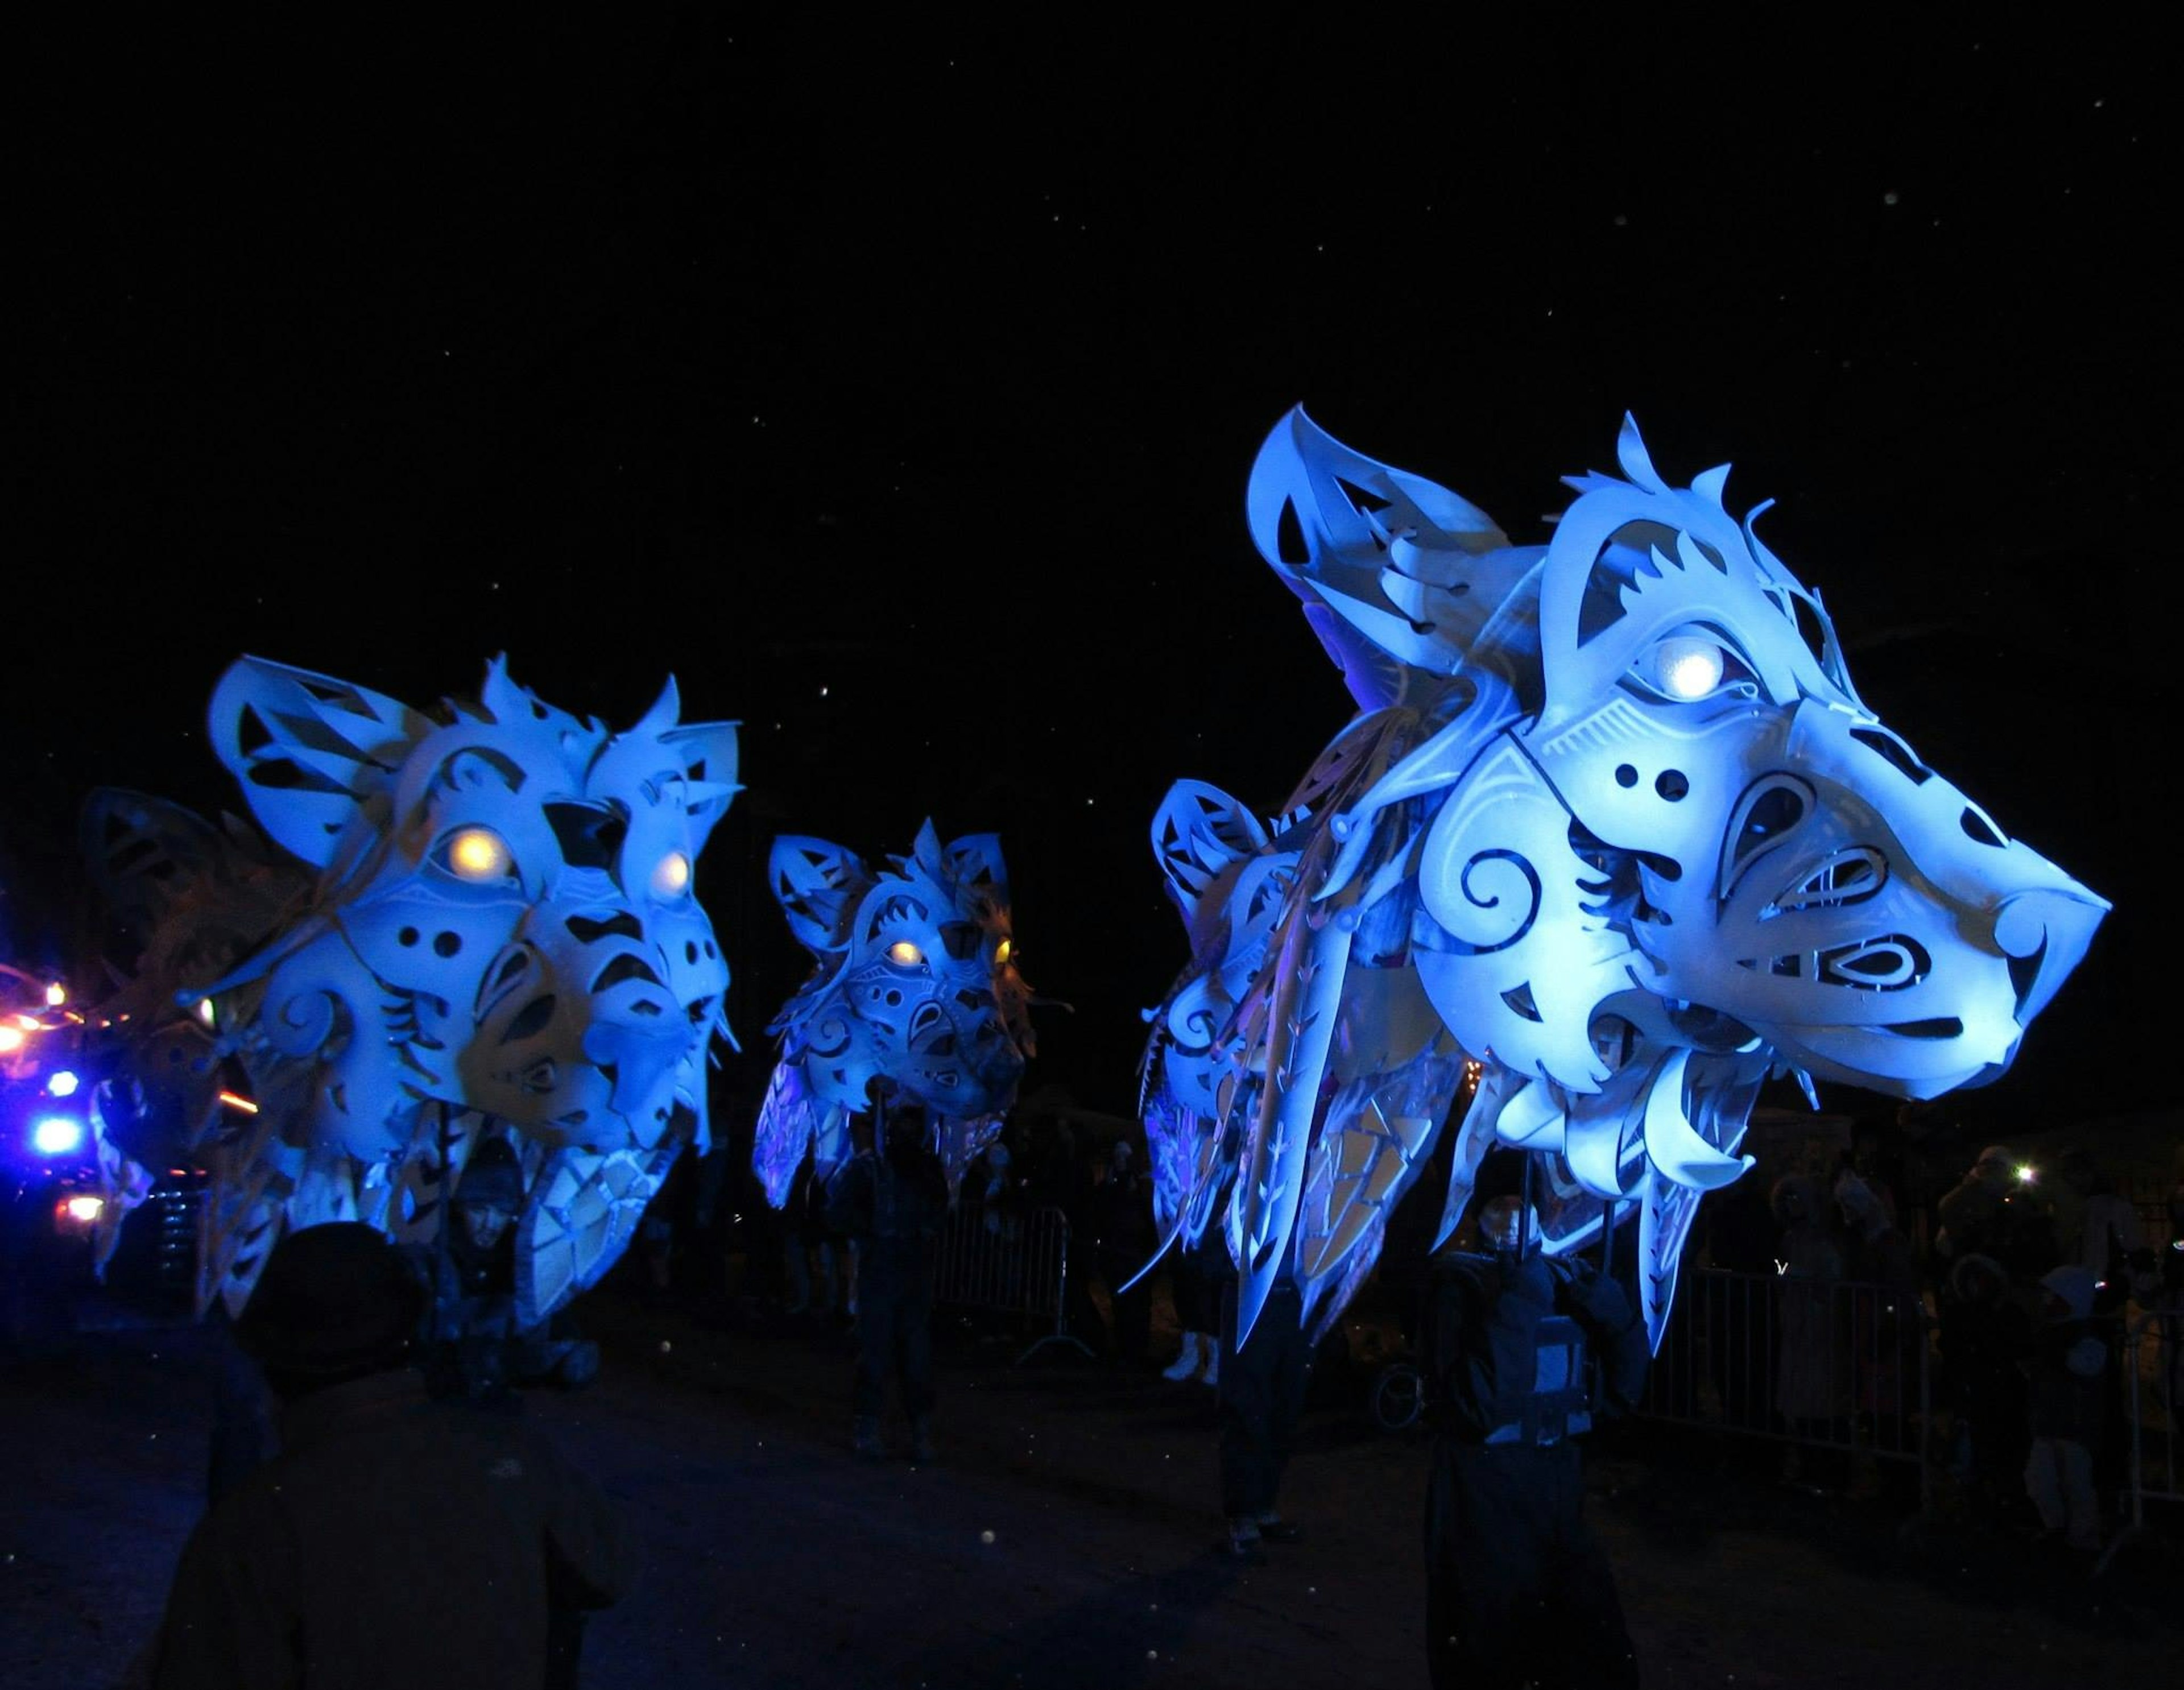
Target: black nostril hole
pixel 1671 784
pixel 531 1021
pixel 1977 827
pixel 407 936
pixel 1625 776
pixel 690 950
pixel 447 944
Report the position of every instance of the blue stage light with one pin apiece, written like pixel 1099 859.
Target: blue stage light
pixel 56 1135
pixel 60 1083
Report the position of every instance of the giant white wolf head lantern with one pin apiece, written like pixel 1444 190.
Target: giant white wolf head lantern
pixel 917 990
pixel 504 937
pixel 1613 825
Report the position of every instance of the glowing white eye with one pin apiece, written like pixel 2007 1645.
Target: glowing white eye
pixel 1004 951
pixel 671 877
pixel 902 951
pixel 1687 666
pixel 207 1013
pixel 478 853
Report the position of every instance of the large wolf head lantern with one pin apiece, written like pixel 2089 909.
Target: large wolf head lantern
pixel 916 991
pixel 1612 839
pixel 504 939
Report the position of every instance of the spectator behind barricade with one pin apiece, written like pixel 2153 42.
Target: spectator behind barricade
pixel 999 1209
pixel 2169 1294
pixel 1986 1329
pixel 1876 1251
pixel 1887 1332
pixel 2096 1227
pixel 1122 1238
pixel 1811 1387
pixel 383 1507
pixel 1874 1162
pixel 806 1245
pixel 1968 1213
pixel 2069 1357
pixel 1737 1236
pixel 2022 1235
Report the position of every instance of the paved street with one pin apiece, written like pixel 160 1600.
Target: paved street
pixel 1065 1538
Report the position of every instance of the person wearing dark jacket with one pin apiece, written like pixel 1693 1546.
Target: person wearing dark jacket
pixel 1518 1588
pixel 891 1198
pixel 473 1347
pixel 394 1541
pixel 2070 1355
pixel 1263 1385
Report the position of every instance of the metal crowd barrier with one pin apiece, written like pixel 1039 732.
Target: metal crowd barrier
pixel 1846 1365
pixel 1827 1364
pixel 2153 1376
pixel 1019 1266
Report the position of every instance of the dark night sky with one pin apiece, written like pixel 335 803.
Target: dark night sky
pixel 898 396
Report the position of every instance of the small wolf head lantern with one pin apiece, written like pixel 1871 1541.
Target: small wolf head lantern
pixel 505 939
pixel 1612 838
pixel 917 990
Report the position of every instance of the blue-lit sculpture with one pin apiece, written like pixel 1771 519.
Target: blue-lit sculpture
pixel 915 995
pixel 1611 839
pixel 496 934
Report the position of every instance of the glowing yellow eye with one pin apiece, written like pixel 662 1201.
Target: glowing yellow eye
pixel 1004 951
pixel 478 853
pixel 902 951
pixel 671 878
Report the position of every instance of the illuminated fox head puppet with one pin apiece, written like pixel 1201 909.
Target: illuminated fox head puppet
pixel 504 940
pixel 1612 839
pixel 916 991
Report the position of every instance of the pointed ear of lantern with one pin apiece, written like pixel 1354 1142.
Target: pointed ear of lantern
pixel 818 885
pixel 666 710
pixel 503 700
pixel 308 749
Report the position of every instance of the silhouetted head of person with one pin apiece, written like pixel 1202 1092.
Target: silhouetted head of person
pixel 490 1193
pixel 336 1303
pixel 1504 1223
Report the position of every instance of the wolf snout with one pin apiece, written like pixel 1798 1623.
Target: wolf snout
pixel 636 1056
pixel 2044 932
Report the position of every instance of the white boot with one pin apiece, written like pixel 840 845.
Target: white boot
pixel 1212 1374
pixel 1186 1364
